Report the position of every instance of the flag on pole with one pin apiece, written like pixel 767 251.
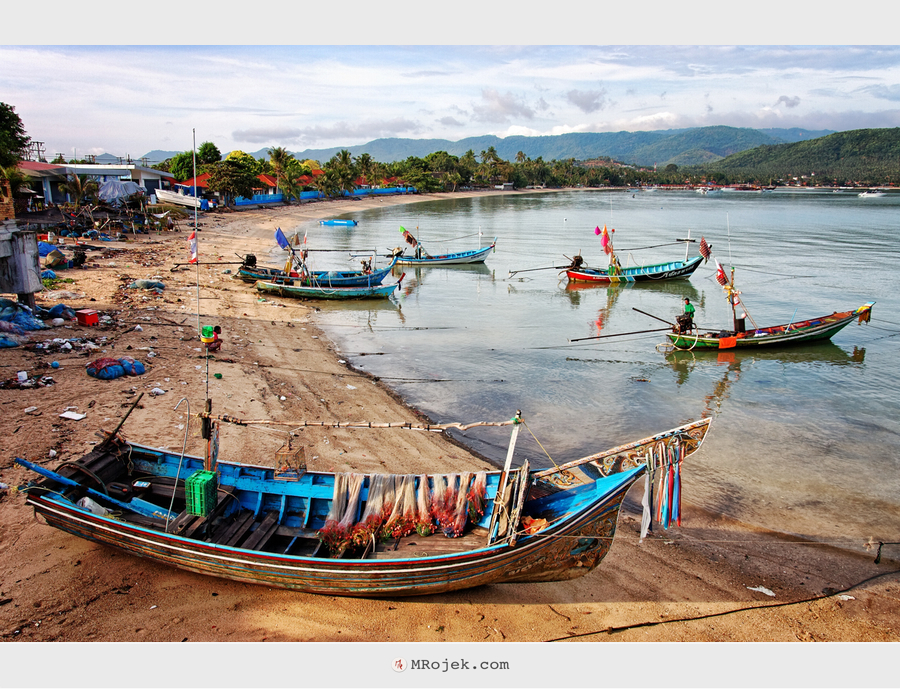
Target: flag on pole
pixel 720 275
pixel 281 239
pixel 705 249
pixel 192 243
pixel 408 237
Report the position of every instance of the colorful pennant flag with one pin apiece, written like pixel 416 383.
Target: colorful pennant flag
pixel 720 275
pixel 705 249
pixel 192 243
pixel 408 237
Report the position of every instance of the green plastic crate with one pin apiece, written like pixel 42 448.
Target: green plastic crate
pixel 200 492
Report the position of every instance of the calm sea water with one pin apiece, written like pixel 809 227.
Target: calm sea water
pixel 804 440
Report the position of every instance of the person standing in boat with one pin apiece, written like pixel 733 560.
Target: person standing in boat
pixel 688 318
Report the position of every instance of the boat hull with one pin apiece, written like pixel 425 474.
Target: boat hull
pixel 460 258
pixel 578 512
pixel 653 273
pixel 568 552
pixel 165 196
pixel 331 293
pixel 322 279
pixel 803 332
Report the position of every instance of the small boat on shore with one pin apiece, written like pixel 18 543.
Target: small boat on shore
pixel 179 198
pixel 339 222
pixel 300 291
pixel 420 257
pixel 351 534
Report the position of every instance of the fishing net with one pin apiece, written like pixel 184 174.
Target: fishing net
pixel 336 534
pixel 424 519
pixel 458 510
pixel 476 496
pixel 402 520
pixel 439 499
pixel 381 493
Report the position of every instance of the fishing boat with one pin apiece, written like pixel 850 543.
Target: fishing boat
pixel 421 257
pixel 614 273
pixel 795 332
pixel 317 278
pixel 687 335
pixel 358 535
pixel 339 222
pixel 649 273
pixel 300 291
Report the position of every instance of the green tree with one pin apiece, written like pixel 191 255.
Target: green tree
pixel 247 161
pixel 13 140
pixel 232 178
pixel 181 165
pixel 279 159
pixel 79 188
pixel 208 153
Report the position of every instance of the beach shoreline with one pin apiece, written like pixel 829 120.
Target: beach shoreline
pixel 709 580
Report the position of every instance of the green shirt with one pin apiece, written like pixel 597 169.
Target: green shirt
pixel 689 309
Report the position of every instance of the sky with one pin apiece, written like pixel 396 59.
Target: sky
pixel 131 99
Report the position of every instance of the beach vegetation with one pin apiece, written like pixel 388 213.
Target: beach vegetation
pixel 233 177
pixel 80 188
pixel 13 139
pixel 208 153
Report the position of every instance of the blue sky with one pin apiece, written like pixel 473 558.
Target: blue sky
pixel 130 99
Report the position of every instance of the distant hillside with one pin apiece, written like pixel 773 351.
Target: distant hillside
pixel 855 156
pixel 680 146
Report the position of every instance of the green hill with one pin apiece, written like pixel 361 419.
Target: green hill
pixel 863 156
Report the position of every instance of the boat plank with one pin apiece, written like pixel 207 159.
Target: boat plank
pixel 237 530
pixel 263 532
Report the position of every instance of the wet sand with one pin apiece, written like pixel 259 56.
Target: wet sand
pixel 709 580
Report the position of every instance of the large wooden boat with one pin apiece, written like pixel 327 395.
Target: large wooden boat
pixel 283 526
pixel 796 332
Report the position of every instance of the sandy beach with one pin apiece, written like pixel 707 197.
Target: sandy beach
pixel 708 581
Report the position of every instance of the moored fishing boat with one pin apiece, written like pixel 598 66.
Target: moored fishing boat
pixel 358 535
pixel 687 335
pixel 796 332
pixel 614 273
pixel 300 291
pixel 420 257
pixel 339 222
pixel 316 278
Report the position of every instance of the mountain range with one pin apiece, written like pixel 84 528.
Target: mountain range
pixel 682 147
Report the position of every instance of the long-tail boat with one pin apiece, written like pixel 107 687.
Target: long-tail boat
pixel 421 257
pixel 337 534
pixel 687 335
pixel 614 273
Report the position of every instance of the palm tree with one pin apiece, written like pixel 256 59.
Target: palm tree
pixel 79 187
pixel 279 158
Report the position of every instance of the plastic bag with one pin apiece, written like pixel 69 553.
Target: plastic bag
pixel 105 368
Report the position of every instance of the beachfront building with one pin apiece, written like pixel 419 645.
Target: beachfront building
pixel 46 177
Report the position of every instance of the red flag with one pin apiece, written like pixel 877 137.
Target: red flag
pixel 192 243
pixel 720 275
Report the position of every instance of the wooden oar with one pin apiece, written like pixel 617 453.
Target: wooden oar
pixel 634 332
pixel 528 270
pixel 652 316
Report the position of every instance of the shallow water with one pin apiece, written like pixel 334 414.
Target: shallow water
pixel 804 440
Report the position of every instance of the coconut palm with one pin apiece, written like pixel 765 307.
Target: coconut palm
pixel 79 188
pixel 279 157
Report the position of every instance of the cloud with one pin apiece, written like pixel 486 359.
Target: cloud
pixel 883 91
pixel 587 101
pixel 365 131
pixel 789 102
pixel 264 135
pixel 497 107
pixel 449 122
